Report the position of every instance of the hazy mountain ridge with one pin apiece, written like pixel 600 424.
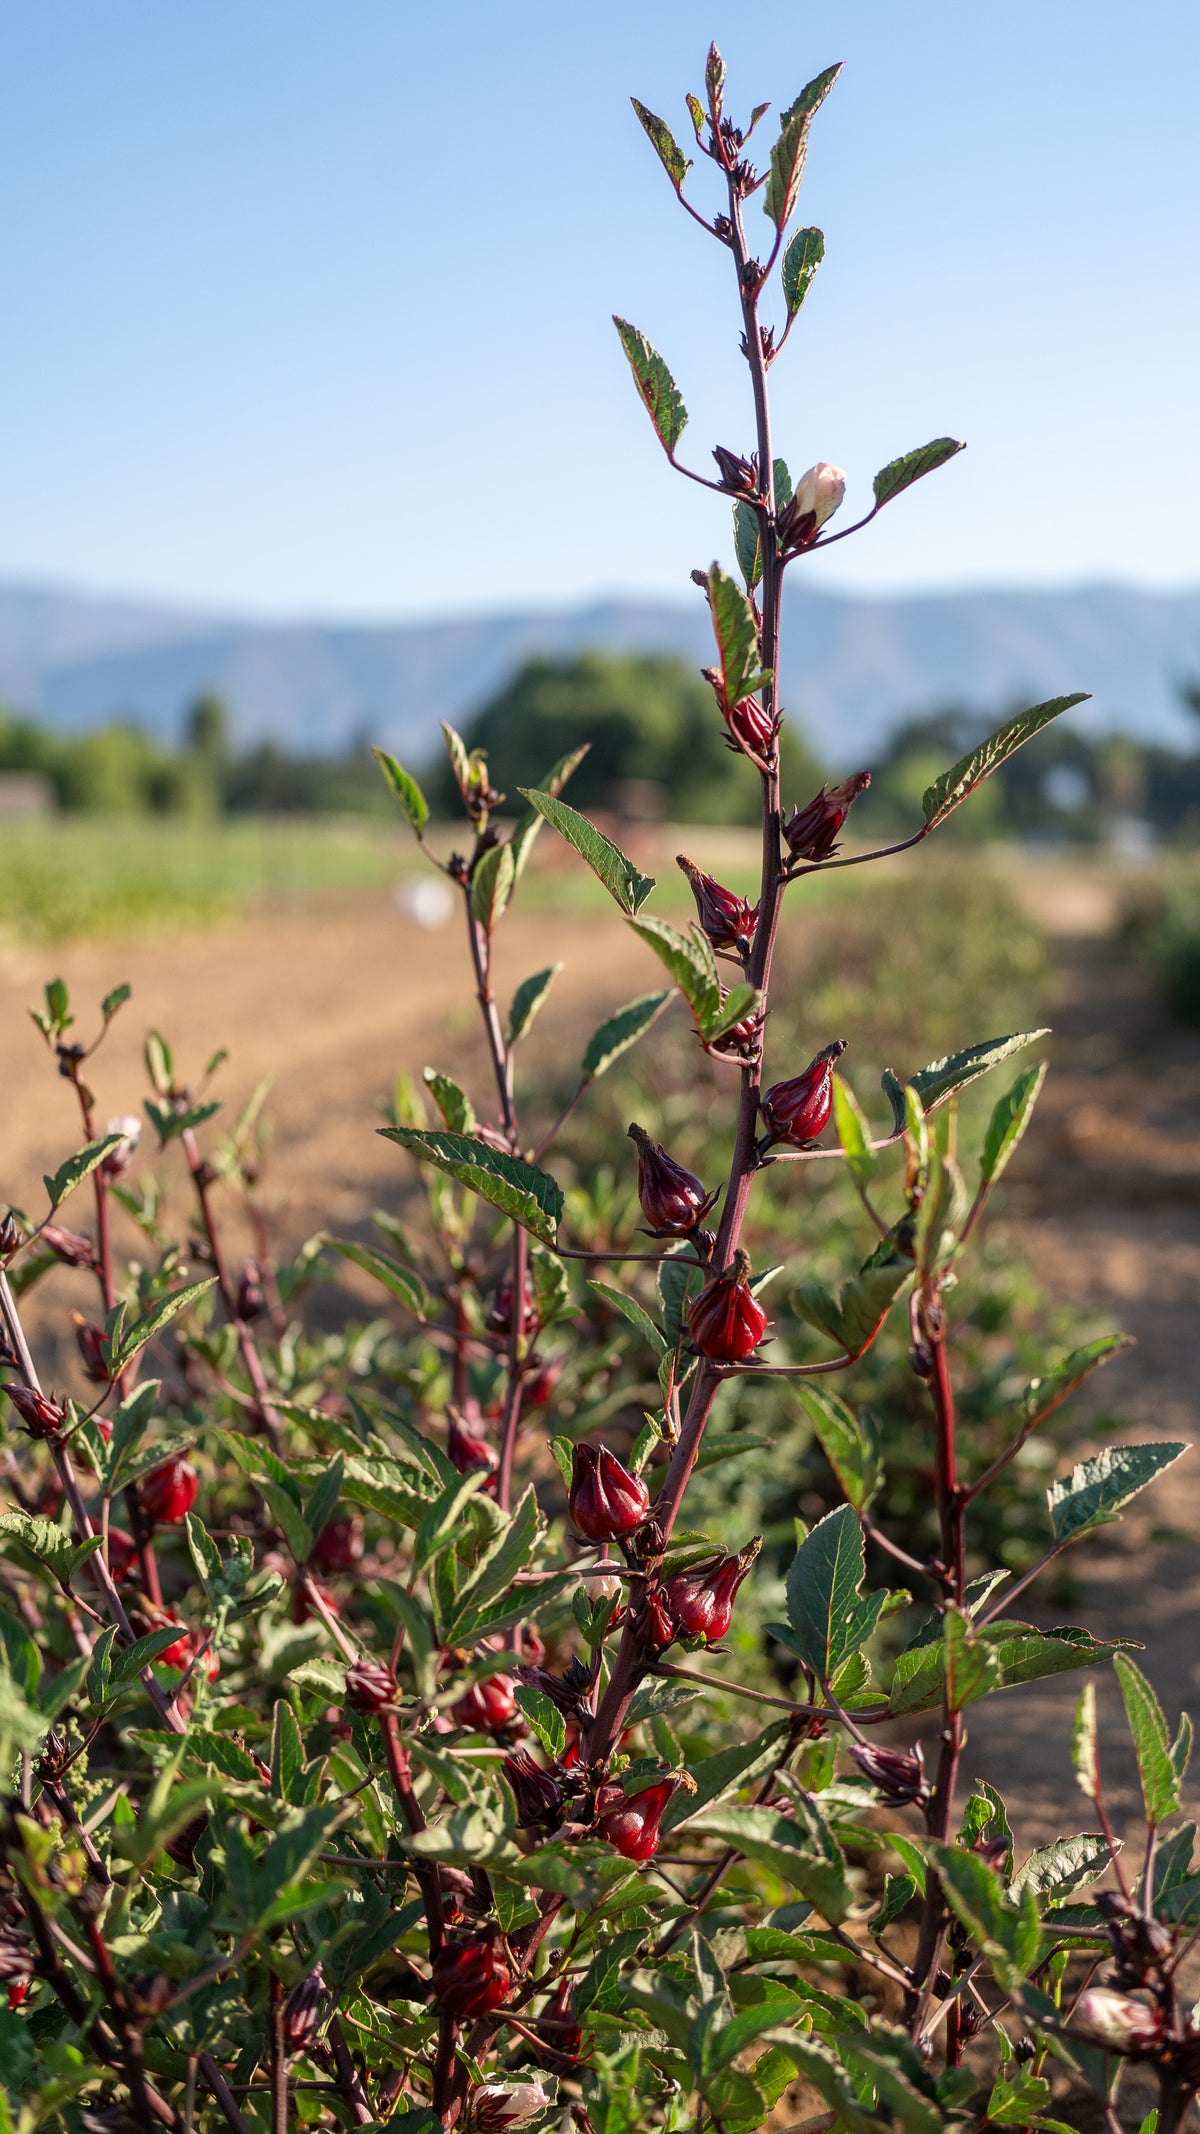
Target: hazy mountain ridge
pixel 853 664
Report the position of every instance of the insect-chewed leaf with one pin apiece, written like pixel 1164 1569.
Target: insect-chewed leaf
pixel 1097 1489
pixel 787 156
pixel 737 637
pixel 528 999
pixel 955 785
pixel 519 1189
pixel 620 1032
pixel 804 254
pixel 405 788
pixel 665 146
pixel 660 395
pixel 900 474
pixel 606 860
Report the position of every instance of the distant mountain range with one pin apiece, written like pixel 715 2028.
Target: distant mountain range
pixel 854 665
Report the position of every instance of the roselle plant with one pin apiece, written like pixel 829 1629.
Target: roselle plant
pixel 362 1698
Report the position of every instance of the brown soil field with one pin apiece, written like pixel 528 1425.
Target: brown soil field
pixel 330 1001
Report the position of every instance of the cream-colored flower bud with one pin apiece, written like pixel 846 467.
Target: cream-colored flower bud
pixel 496 2108
pixel 1116 2021
pixel 820 491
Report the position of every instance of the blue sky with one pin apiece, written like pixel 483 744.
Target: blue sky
pixel 307 306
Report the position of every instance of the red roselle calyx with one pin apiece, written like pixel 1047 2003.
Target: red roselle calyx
pixel 470 1978
pixel 742 1041
pixel 501 1314
pixel 169 1492
pixel 537 1793
pixel 42 1417
pixel 68 1246
pixel 90 1341
pixel 726 1322
pixel 495 2108
pixel 338 1546
pixel 701 1600
pixel 752 730
pixel 487 1706
pixel 673 1200
pixel 817 496
pixel 631 1822
pixel 370 1686
pixel 465 1450
pixel 302 2011
pixel 654 1624
pixel 12 1237
pixel 797 1111
pixel 812 832
pixel 605 1502
pixel 728 920
pixel 900 1777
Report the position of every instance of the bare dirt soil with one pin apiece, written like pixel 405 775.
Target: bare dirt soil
pixel 330 1001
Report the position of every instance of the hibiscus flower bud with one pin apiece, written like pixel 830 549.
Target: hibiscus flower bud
pixel 495 2108
pixel 169 1492
pixel 302 2011
pixel 251 1302
pixel 812 831
pixel 654 1624
pixel 12 1237
pixel 752 730
pixel 370 1686
pixel 558 2023
pixel 566 1691
pixel 537 1793
pixel 739 476
pixel 899 1777
pixel 701 1600
pixel 817 496
pixel 470 1978
pixel 673 1200
pixel 465 1450
pixel 631 1822
pixel 605 1502
pixel 129 1126
pixel 1117 2022
pixel 338 1546
pixel 89 1339
pixel 487 1706
pixel 43 1418
pixel 68 1246
pixel 797 1111
pixel 501 1314
pixel 728 920
pixel 725 1321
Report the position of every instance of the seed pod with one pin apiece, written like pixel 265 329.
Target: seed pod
pixel 631 1822
pixel 701 1600
pixel 605 1502
pixel 728 920
pixel 797 1111
pixel 899 1777
pixel 812 832
pixel 302 2011
pixel 42 1418
pixel 471 1977
pixel 338 1546
pixel 537 1792
pixel 370 1686
pixel 673 1200
pixel 169 1492
pixel 725 1321
pixel 1117 2022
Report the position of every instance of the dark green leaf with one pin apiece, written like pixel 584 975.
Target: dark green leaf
pixel 519 1189
pixel 1069 1864
pixel 528 999
pixel 665 146
pixel 1009 1121
pixel 739 1002
pixel 803 256
pixel 323 1497
pixel 1009 1934
pixel 1097 1489
pixel 850 1446
pixel 399 1281
pixel 809 1863
pixel 722 1772
pixel 953 787
pixel 76 1168
pixel 853 1132
pixel 787 157
pixel 635 1313
pixel 47 1542
pixel 127 1666
pixel 736 633
pixel 405 788
pixel 972 1667
pixel 453 1103
pixel 620 1032
pixel 1160 1782
pixel 618 874
pixel 508 1553
pixel 747 527
pixel 689 959
pixel 659 393
pixel 825 1605
pixel 944 1078
pixel 153 1323
pixel 1025 1654
pixel 855 1316
pixel 545 1719
pixel 114 1000
pixel 1043 1395
pixel 492 886
pixel 902 473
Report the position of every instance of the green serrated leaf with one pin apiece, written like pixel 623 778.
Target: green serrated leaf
pixel 660 396
pixel 747 527
pixel 545 1719
pixel 689 959
pixel 1160 1782
pixel 453 1102
pixel 736 633
pixel 851 1446
pixel 48 1544
pixel 405 788
pixel 955 785
pixel 853 1132
pixel 519 1189
pixel 1069 1864
pixel 399 1281
pixel 635 1313
pixel 787 157
pixel 119 1354
pixel 492 886
pixel 854 1317
pixel 619 1032
pixel 620 877
pixel 1097 1489
pixel 665 146
pixel 1043 1395
pixel 900 474
pixel 972 1667
pixel 528 999
pixel 78 1167
pixel 825 1604
pixel 1009 1121
pixel 944 1078
pixel 803 256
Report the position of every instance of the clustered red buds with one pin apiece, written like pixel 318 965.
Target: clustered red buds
pixel 701 1599
pixel 673 1200
pixel 812 832
pixel 90 1341
pixel 728 920
pixel 495 2108
pixel 338 1546
pixel 537 1792
pixel 817 496
pixel 42 1417
pixel 487 1706
pixel 605 1502
pixel 467 1451
pixel 1117 2022
pixel 725 1321
pixel 169 1492
pixel 370 1686
pixel 471 1977
pixel 632 1821
pixel 798 1110
pixel 899 1777
pixel 302 2011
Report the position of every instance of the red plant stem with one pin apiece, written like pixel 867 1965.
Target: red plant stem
pixel 426 1874
pixel 223 2094
pixel 279 2065
pixel 201 1179
pixel 349 2080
